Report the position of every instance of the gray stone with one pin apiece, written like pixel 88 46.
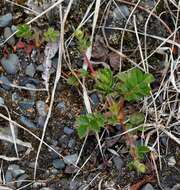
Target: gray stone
pixel 5 82
pixel 13 28
pixel 11 64
pixel 58 164
pixel 69 159
pixel 18 172
pixel 21 179
pixel 118 162
pixel 148 186
pixel 16 97
pixel 95 99
pixel 5 20
pixel 1 101
pixel 71 143
pixel 7 34
pixel 24 120
pixel 41 108
pixel 121 12
pixel 8 176
pixel 176 187
pixel 30 70
pixel 45 188
pixel 68 131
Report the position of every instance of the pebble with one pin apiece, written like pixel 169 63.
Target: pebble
pixel 16 97
pixel 148 186
pixel 8 176
pixel 41 108
pixel 118 162
pixel 40 121
pixel 41 69
pixel 7 33
pixel 68 131
pixel 1 101
pixel 24 120
pixel 95 99
pixel 5 82
pixel 69 159
pixel 71 143
pixel 176 187
pixel 26 104
pixel 61 106
pixel 13 28
pixel 45 188
pixel 21 179
pixel 58 164
pixel 30 70
pixel 15 170
pixel 5 20
pixel 11 64
pixel 121 12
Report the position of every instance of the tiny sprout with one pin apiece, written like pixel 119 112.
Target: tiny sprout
pixel 51 35
pixel 24 31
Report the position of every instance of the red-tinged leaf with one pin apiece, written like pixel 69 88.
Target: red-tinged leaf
pixel 28 49
pixel 20 45
pixel 5 52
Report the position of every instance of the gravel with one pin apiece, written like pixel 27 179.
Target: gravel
pixel 24 120
pixel 5 82
pixel 68 131
pixel 30 70
pixel 118 162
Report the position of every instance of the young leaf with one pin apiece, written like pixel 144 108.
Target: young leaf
pixel 72 80
pixel 136 118
pixel 141 151
pixel 104 81
pixel 51 35
pixel 135 84
pixel 136 164
pixel 23 31
pixel 83 40
pixel 90 122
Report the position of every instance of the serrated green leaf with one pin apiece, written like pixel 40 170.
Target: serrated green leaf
pixel 23 31
pixel 82 131
pixel 135 84
pixel 104 81
pixel 136 118
pixel 90 122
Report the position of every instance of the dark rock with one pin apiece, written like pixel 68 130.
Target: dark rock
pixel 5 20
pixel 11 64
pixel 118 162
pixel 21 179
pixel 71 143
pixel 7 34
pixel 61 106
pixel 26 104
pixel 59 164
pixel 95 99
pixel 70 169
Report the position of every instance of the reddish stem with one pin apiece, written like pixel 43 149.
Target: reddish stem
pixel 89 64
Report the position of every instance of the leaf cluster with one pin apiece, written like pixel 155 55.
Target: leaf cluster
pixel 83 40
pixel 91 122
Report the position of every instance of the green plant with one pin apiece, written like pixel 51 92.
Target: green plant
pixel 91 122
pixel 24 31
pixel 83 40
pixel 51 35
pixel 104 81
pixel 134 84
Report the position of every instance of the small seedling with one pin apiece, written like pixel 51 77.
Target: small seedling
pixel 51 35
pixel 83 40
pixel 24 31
